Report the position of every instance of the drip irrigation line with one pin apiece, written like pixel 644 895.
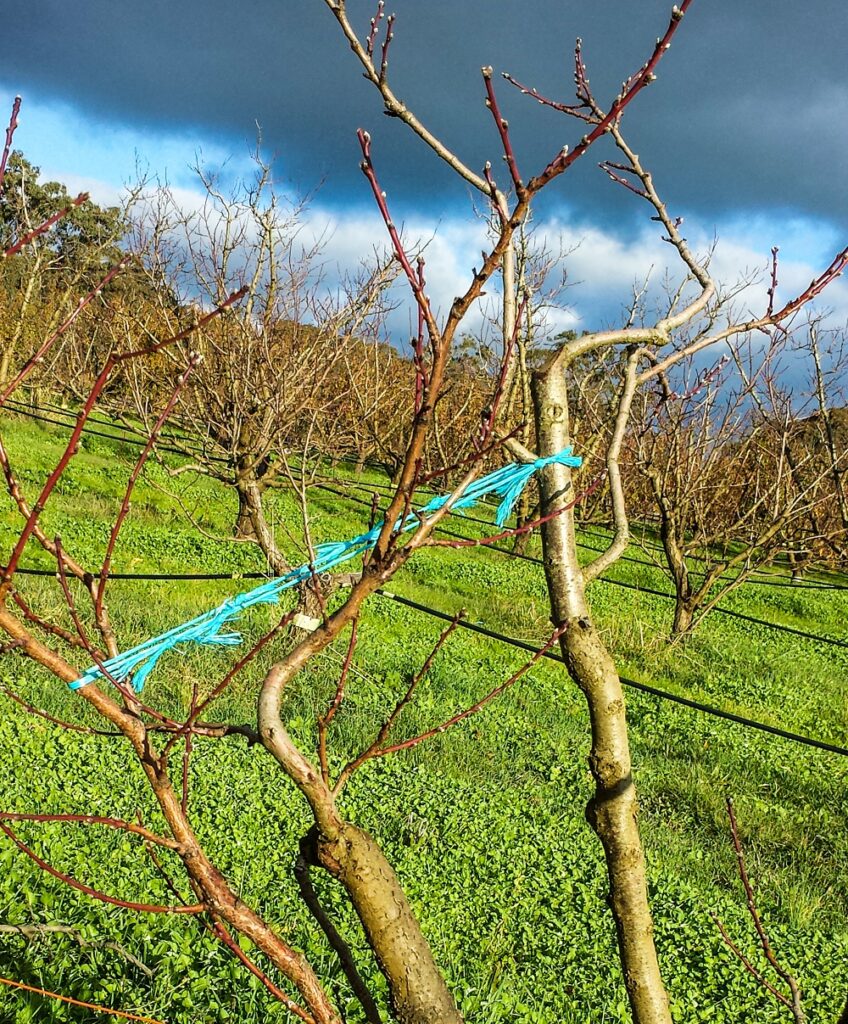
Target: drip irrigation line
pixel 161 576
pixel 808 585
pixel 256 575
pixel 736 615
pixel 627 586
pixel 128 439
pixel 130 435
pixel 769 582
pixel 21 410
pixel 654 691
pixel 94 416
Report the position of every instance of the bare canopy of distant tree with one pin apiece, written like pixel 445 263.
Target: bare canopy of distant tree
pixel 725 474
pixel 269 384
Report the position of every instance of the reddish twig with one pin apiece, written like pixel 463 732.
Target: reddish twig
pixel 632 87
pixel 793 1002
pixel 87 729
pixel 324 721
pixel 418 344
pixel 503 130
pixel 381 751
pixel 221 933
pixel 48 627
pixel 387 42
pixel 34 360
pixel 72 446
pixel 581 79
pixel 375 24
pixel 45 225
pixel 772 289
pixel 421 299
pixel 194 359
pixel 563 108
pixel 78 1002
pixel 147 908
pixel 376 749
pixel 187 749
pixel 93 819
pixel 815 287
pixel 610 168
pixel 517 531
pixel 490 415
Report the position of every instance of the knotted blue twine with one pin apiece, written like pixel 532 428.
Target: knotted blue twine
pixel 507 482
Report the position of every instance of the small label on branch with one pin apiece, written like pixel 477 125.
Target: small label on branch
pixel 306 622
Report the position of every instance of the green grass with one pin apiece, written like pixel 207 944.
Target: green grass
pixel 484 824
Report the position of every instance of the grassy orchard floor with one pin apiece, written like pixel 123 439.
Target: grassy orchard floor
pixel 484 825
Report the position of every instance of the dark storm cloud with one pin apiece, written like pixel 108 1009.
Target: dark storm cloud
pixel 750 110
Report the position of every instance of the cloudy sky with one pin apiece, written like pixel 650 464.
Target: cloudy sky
pixel 745 129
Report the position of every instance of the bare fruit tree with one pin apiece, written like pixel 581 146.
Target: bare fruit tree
pixel 336 844
pixel 642 353
pixel 725 473
pixel 269 384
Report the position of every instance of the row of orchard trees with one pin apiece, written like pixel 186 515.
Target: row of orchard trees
pixel 736 462
pixel 227 283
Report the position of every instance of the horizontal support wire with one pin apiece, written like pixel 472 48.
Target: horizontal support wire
pixel 139 441
pixel 833 641
pixel 706 709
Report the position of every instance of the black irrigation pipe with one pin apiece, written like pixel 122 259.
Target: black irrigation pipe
pixel 19 409
pixel 808 585
pixel 770 582
pixel 128 439
pixel 627 586
pixel 511 641
pixel 707 709
pixel 198 576
pixel 129 435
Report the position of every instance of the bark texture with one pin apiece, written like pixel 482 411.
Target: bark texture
pixel 612 811
pixel 419 994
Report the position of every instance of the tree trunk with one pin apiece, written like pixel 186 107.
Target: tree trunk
pixel 612 811
pixel 683 616
pixel 244 526
pixel 4 365
pixel 418 993
pixel 251 523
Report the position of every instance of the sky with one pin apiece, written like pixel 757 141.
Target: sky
pixel 744 130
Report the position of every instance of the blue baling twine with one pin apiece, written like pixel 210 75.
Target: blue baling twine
pixel 507 482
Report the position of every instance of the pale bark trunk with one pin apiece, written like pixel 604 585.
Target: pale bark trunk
pixel 612 811
pixel 418 993
pixel 251 523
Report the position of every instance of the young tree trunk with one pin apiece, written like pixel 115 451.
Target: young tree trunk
pixel 251 523
pixel 418 993
pixel 244 526
pixel 612 811
pixel 683 616
pixel 4 364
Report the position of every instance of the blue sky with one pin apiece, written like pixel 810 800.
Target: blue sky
pixel 744 129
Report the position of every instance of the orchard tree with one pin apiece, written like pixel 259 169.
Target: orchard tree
pixel 270 383
pixel 643 353
pixel 336 844
pixel 58 246
pixel 726 474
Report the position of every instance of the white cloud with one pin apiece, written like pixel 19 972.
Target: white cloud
pixel 602 267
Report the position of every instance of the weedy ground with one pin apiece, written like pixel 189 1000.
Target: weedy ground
pixel 485 824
